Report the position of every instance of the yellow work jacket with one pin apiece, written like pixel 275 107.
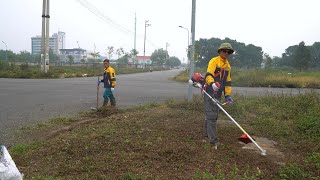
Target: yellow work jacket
pixel 109 77
pixel 219 70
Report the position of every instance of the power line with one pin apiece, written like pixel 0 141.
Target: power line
pixel 100 15
pixel 108 20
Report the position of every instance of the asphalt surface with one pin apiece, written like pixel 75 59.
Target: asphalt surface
pixel 28 101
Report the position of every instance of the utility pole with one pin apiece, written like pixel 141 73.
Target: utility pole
pixel 45 37
pixel 6 50
pixel 135 38
pixel 145 36
pixel 191 72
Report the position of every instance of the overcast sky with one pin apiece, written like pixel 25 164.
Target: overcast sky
pixel 271 24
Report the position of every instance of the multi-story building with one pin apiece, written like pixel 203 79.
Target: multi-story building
pixel 56 42
pixel 76 53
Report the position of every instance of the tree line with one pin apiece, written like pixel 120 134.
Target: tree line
pixel 299 57
pixel 250 56
pixel 159 57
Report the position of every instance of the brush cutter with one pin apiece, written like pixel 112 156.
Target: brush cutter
pixel 98 87
pixel 196 81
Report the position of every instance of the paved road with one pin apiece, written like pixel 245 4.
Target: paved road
pixel 27 101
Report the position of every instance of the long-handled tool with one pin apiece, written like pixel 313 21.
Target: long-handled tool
pixel 97 105
pixel 219 104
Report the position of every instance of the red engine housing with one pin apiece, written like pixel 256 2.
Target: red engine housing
pixel 197 77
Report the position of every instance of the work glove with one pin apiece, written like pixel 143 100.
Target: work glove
pixel 216 86
pixel 112 89
pixel 228 100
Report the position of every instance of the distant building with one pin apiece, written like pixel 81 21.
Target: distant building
pixel 141 61
pixel 56 42
pixel 76 53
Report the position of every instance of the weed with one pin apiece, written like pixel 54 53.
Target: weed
pixel 314 160
pixel 22 149
pixel 293 171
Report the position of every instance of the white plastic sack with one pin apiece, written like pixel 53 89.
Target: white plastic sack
pixel 8 169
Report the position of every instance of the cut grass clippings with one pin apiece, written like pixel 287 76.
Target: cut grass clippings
pixel 164 141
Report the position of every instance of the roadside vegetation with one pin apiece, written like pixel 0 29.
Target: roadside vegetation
pixel 28 71
pixel 164 141
pixel 267 78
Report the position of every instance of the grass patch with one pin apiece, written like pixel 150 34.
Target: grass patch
pixel 267 78
pixel 164 141
pixel 26 71
pixel 294 171
pixel 23 149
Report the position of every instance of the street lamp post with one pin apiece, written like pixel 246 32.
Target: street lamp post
pixel 6 50
pixel 145 36
pixel 79 50
pixel 187 47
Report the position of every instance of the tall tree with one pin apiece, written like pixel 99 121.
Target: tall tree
pixel 287 56
pixel 52 56
pixel 244 55
pixel 267 61
pixel 159 57
pixel 173 62
pixel 133 52
pixel 124 60
pixel 315 54
pixel 120 52
pixel 70 60
pixel 302 57
pixel 95 55
pixel 110 51
pixel 24 56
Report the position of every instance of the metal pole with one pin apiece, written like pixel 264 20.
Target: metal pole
pixel 43 36
pixel 47 38
pixel 167 54
pixel 145 36
pixel 6 50
pixel 191 72
pixel 135 38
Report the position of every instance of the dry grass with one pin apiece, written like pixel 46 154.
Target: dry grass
pixel 267 78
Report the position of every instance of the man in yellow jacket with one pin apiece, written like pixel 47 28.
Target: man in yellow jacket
pixel 218 80
pixel 109 82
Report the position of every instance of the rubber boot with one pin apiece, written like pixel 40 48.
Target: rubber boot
pixel 105 102
pixel 113 102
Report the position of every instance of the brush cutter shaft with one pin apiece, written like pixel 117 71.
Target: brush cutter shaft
pixel 98 87
pixel 226 113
